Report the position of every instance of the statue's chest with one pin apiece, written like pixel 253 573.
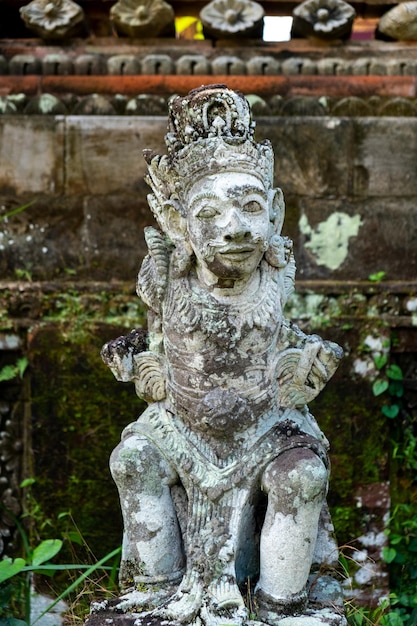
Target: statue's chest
pixel 221 363
pixel 206 336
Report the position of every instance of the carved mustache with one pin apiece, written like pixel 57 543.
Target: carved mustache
pixel 213 246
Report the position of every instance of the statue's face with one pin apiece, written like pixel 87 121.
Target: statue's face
pixel 228 223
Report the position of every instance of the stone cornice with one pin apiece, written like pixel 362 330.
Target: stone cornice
pixel 299 98
pixel 109 57
pixel 23 304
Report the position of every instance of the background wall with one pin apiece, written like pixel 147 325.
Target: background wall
pixel 69 262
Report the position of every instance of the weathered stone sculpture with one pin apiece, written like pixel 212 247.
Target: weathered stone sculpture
pixel 399 23
pixel 226 19
pixel 223 478
pixel 324 19
pixel 143 18
pixel 53 19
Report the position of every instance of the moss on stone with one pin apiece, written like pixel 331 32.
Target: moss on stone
pixel 78 411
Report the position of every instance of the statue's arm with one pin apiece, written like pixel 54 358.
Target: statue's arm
pixel 305 363
pixel 119 354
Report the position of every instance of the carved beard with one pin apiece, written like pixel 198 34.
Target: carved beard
pixel 261 311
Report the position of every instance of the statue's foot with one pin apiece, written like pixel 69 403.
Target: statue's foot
pixel 135 601
pixel 225 594
pixel 223 604
pixel 184 605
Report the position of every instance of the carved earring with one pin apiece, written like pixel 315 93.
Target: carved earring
pixel 181 261
pixel 278 251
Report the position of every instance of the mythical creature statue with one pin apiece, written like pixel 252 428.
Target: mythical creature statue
pixel 223 478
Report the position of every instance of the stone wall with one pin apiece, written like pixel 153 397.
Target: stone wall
pixel 349 184
pixel 68 264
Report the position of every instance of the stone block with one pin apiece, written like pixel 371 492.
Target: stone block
pixel 361 238
pixel 104 155
pixel 112 242
pixel 31 155
pixel 320 168
pixel 228 64
pixel 123 65
pixel 385 157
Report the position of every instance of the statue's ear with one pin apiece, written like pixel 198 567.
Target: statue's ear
pixel 170 218
pixel 175 224
pixel 276 208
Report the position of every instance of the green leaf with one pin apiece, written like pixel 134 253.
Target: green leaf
pixel 16 211
pixel 377 277
pixel 46 551
pixel 379 387
pixel 79 580
pixel 9 568
pixel 8 372
pixel 27 482
pixel 75 537
pixel 396 388
pixel 21 366
pixel 12 621
pixel 391 411
pixel 380 360
pixel 394 372
pixel 392 619
pixel 389 554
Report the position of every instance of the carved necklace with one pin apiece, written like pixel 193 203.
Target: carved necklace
pixel 194 308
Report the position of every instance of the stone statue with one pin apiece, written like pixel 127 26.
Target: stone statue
pixel 223 478
pixel 399 23
pixel 228 19
pixel 323 19
pixel 143 18
pixel 53 19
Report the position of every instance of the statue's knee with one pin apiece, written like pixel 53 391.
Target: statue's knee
pixel 296 473
pixel 137 461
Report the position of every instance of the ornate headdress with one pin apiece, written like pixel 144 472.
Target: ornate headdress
pixel 210 130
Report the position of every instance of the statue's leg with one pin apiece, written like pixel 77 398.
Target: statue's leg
pixel 152 548
pixel 296 484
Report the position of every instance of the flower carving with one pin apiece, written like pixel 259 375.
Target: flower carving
pixel 143 18
pixel 52 19
pixel 228 18
pixel 327 19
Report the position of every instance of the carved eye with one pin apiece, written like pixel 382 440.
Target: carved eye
pixel 252 207
pixel 207 212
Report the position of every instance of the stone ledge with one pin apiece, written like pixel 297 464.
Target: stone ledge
pixel 332 86
pixel 335 302
pixel 147 104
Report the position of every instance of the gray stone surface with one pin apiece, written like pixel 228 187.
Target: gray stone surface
pixel 362 166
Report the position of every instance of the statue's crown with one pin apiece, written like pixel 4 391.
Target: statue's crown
pixel 210 131
pixel 207 112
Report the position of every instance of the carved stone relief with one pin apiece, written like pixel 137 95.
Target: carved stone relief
pixel 400 22
pixel 232 18
pixel 143 18
pixel 325 19
pixel 52 19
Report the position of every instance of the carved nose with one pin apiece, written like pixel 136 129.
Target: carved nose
pixel 236 229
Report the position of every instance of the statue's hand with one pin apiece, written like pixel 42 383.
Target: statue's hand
pixel 118 354
pixel 303 372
